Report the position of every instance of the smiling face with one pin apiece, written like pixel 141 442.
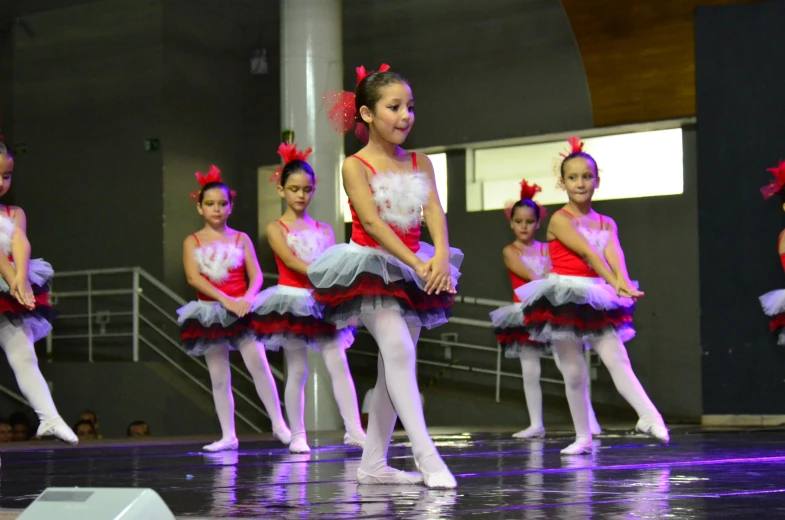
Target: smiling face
pixel 580 179
pixel 391 118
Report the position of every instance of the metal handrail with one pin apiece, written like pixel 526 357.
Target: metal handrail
pixel 138 296
pixel 139 274
pixel 13 395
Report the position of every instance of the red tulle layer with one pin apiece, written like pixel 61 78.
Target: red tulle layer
pixel 367 284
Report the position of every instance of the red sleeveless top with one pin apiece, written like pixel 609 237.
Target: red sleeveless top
pixel 516 280
pixel 567 262
pixel 360 237
pixel 287 276
pixel 234 285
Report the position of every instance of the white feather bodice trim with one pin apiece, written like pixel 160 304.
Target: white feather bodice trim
pixel 598 238
pixel 308 244
pixel 400 198
pixel 7 226
pixel 217 259
pixel 538 265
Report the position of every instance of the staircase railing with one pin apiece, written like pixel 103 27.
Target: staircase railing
pixel 152 314
pixel 143 310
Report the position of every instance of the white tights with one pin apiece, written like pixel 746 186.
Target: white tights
pixel 396 391
pixel 21 356
pixel 531 371
pixel 614 356
pixel 221 378
pixel 345 394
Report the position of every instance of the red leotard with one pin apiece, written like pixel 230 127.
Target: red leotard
pixel 567 262
pixel 516 280
pixel 360 237
pixel 235 284
pixel 287 276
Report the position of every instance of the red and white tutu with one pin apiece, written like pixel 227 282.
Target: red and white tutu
pixel 575 308
pixel 37 323
pixel 207 324
pixel 773 303
pixel 290 317
pixel 510 331
pixel 350 279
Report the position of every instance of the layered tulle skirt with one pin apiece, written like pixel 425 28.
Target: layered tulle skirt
pixel 208 324
pixel 511 333
pixel 773 304
pixel 289 317
pixel 350 280
pixel 574 308
pixel 37 323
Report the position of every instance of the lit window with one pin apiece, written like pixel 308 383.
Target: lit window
pixel 439 161
pixel 640 164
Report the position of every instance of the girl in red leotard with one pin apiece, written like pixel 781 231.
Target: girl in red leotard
pixel 289 317
pixel 773 302
pixel 220 263
pixel 386 279
pixel 587 298
pixel 526 259
pixel 25 315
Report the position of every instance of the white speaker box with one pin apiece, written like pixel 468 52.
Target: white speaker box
pixel 97 504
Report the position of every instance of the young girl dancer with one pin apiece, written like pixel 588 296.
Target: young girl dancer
pixel 773 302
pixel 526 259
pixel 386 279
pixel 289 317
pixel 217 260
pixel 25 312
pixel 587 297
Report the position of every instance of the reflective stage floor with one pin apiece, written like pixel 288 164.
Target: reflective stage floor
pixel 700 474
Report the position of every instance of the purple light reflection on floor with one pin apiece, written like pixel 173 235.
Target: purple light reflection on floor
pixel 699 475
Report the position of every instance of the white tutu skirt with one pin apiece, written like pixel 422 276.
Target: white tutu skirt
pixel 773 304
pixel 574 308
pixel 207 324
pixel 289 317
pixel 37 323
pixel 350 279
pixel 511 332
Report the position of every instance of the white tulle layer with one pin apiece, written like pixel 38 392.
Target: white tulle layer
pixel 773 302
pixel 282 299
pixel 508 317
pixel 341 264
pixel 210 313
pixel 514 351
pixel 39 272
pixel 342 339
pixel 35 325
pixel 561 290
pixel 580 290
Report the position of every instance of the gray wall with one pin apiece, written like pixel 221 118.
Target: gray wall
pixel 86 94
pixel 478 70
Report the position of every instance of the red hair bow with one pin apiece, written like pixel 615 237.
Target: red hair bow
pixel 289 153
pixel 213 175
pixel 776 184
pixel 341 109
pixel 528 191
pixel 576 146
pixel 362 74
